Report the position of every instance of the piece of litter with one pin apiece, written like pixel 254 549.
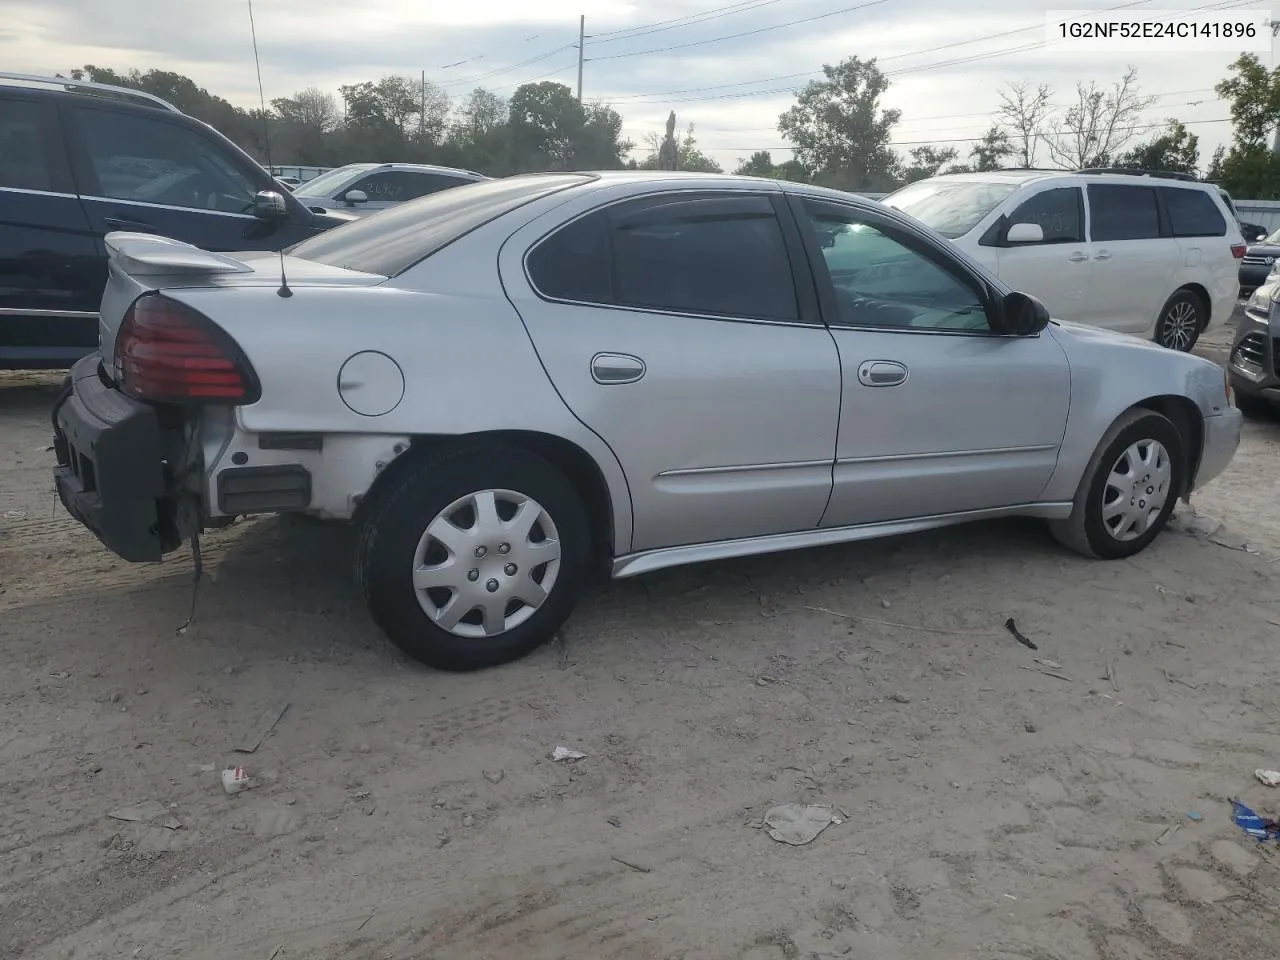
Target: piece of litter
pixel 1194 815
pixel 1051 664
pixel 1252 824
pixel 563 754
pixel 494 776
pixel 1017 634
pixel 634 866
pixel 15 514
pixel 797 823
pixel 236 779
pixel 1010 896
pixel 900 698
pixel 1168 834
pixel 1111 676
pixel 148 811
pixel 251 739
pixel 1047 673
pixel 1270 778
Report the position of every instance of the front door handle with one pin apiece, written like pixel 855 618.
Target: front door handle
pixel 1078 257
pixel 1103 256
pixel 882 373
pixel 610 368
pixel 132 226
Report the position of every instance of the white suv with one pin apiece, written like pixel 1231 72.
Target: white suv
pixel 1146 255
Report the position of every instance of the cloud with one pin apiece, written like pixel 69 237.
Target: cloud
pixel 502 43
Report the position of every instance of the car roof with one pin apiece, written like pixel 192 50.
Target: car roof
pixel 1030 176
pixel 413 167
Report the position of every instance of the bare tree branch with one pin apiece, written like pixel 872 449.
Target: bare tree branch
pixel 1093 130
pixel 1024 112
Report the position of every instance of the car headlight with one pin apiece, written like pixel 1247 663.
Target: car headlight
pixel 1260 299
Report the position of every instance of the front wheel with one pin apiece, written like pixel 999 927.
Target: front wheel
pixel 476 559
pixel 1129 488
pixel 1181 320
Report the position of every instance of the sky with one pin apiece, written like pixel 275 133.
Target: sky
pixel 728 68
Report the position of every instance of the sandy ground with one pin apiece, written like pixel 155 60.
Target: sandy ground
pixel 990 809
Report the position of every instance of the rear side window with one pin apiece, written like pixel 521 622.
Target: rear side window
pixel 722 257
pixel 24 163
pixel 1121 212
pixel 1058 212
pixel 401 236
pixel 1192 213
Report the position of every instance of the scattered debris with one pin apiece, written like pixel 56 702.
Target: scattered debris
pixel 1195 815
pixel 904 626
pixel 494 776
pixel 1029 727
pixel 765 681
pixel 1168 834
pixel 236 779
pixel 1018 635
pixel 1172 679
pixel 1111 676
pixel 468 821
pixel 564 754
pixel 251 739
pixel 900 698
pixel 1047 673
pixel 366 922
pixel 1051 664
pixel 634 866
pixel 797 823
pixel 1259 828
pixel 148 811
pixel 614 822
pixel 886 604
pixel 1270 778
pixel 15 514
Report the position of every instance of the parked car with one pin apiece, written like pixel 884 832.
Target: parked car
pixel 1154 257
pixel 562 373
pixel 79 160
pixel 1254 364
pixel 1258 261
pixel 291 182
pixel 363 188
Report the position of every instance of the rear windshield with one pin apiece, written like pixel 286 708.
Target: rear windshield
pixel 390 242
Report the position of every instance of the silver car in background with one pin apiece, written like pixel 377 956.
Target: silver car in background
pixel 514 384
pixel 364 188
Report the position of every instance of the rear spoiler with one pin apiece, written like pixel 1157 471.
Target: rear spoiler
pixel 145 254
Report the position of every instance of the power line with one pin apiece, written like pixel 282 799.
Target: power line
pixel 745 33
pixel 691 20
pixel 515 66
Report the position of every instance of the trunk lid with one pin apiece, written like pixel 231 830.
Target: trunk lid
pixel 139 263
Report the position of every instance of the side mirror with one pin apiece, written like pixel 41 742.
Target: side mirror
pixel 355 196
pixel 1022 315
pixel 270 207
pixel 1025 233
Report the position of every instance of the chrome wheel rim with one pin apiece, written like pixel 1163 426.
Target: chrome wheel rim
pixel 1179 330
pixel 486 563
pixel 1137 490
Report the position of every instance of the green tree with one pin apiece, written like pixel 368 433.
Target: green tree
pixel 545 119
pixel 1249 168
pixel 759 164
pixel 990 152
pixel 689 155
pixel 926 162
pixel 1176 149
pixel 839 129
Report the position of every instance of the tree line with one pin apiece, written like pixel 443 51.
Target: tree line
pixel 841 130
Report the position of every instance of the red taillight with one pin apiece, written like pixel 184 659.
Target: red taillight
pixel 169 353
pixel 1237 250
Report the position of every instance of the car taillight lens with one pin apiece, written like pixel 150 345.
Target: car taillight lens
pixel 1237 250
pixel 168 353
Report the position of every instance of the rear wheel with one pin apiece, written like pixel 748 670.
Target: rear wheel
pixel 476 559
pixel 1181 319
pixel 1129 489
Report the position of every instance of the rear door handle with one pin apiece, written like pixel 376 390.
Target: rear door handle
pixel 1103 256
pixel 1078 257
pixel 882 373
pixel 608 368
pixel 136 226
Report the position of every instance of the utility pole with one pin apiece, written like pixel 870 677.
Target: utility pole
pixel 422 115
pixel 582 37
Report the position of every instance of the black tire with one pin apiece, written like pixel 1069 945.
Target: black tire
pixel 1182 318
pixel 391 532
pixel 1084 531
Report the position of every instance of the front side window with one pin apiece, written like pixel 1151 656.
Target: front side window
pixel 1058 212
pixel 151 161
pixel 386 186
pixel 24 163
pixel 1121 212
pixel 1192 213
pixel 881 281
pixel 722 257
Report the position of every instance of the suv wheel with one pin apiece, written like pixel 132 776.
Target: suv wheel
pixel 1129 489
pixel 476 558
pixel 1181 320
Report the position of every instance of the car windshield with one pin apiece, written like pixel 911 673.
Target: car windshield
pixel 394 240
pixel 1273 237
pixel 950 207
pixel 325 184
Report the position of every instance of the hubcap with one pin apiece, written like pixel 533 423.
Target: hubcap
pixel 1179 326
pixel 486 563
pixel 1136 490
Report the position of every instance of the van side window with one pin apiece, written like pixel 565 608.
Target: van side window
pixel 1122 212
pixel 1058 212
pixel 1192 213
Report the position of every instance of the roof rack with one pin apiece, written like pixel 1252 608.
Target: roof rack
pixel 1139 172
pixel 89 87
